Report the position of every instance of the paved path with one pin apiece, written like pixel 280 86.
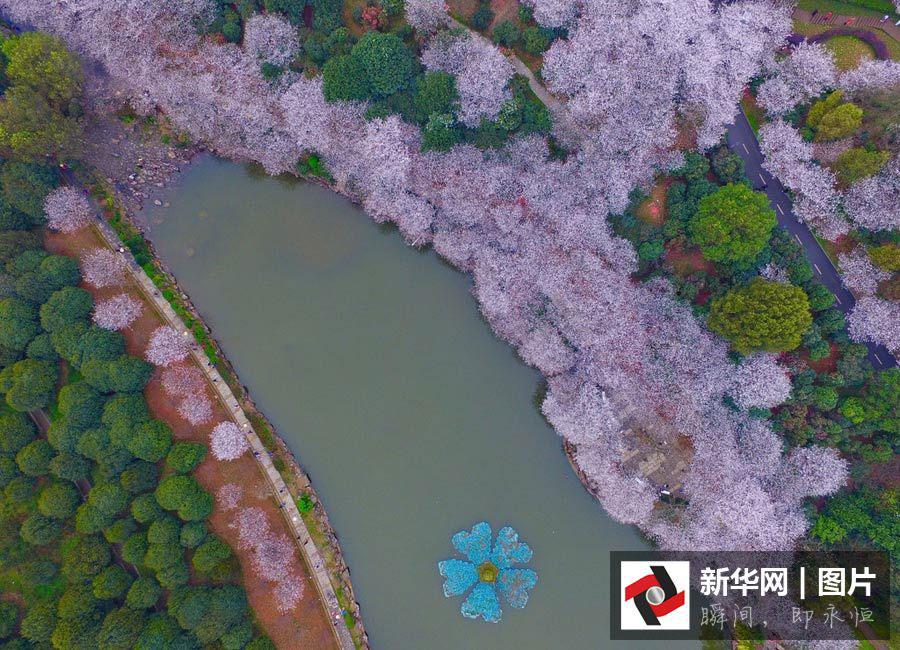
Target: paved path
pixel 742 140
pixel 279 490
pixel 838 20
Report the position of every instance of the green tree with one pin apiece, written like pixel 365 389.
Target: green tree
pixel 9 616
pixel 16 431
pixel 761 315
pixel 184 494
pixel 440 133
pixel 144 593
pixel 81 405
pixel 139 476
pixel 39 529
pixel 210 554
pixel 58 500
pixel 109 498
pixel 39 621
pixel 165 530
pixel 32 128
pixel 839 122
pixel 827 530
pixel 385 61
pixel 42 63
pixel 818 110
pixel 121 629
pixel 344 80
pixel 18 323
pixel 733 225
pixel 145 508
pixel 34 458
pixel 193 533
pixel 151 440
pixel 70 467
pixel 134 548
pixel 28 384
pixel 160 556
pixel 184 457
pixel 64 307
pixel 727 165
pixel 112 582
pixel 26 185
pixel 482 18
pixel 84 557
pixel 120 530
pixel 858 163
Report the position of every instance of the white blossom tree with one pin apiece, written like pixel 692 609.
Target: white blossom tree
pixel 196 409
pixel 227 441
pixel 166 346
pixel 874 202
pixel 804 74
pixel 858 272
pixel 554 13
pixel 229 495
pixel 869 75
pixel 182 381
pixel 271 38
pixel 481 72
pixel 118 312
pixel 101 267
pixel 67 209
pixel 426 16
pixel 877 321
pixel 288 593
pixel 760 382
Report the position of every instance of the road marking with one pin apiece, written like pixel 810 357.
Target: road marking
pixel 797 237
pixel 880 362
pixel 780 211
pixel 762 179
pixel 837 299
pixel 744 145
pixel 818 270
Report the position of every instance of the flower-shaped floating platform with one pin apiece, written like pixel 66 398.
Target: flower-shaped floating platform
pixel 490 569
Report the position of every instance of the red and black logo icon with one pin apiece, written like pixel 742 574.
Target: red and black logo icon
pixel 654 595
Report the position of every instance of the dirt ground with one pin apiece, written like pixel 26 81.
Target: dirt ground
pixel 687 261
pixel 653 209
pixel 306 626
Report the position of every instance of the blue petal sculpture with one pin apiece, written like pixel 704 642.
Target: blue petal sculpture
pixel 490 569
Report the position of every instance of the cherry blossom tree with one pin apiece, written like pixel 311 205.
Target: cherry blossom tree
pixel 804 74
pixel 874 202
pixel 869 75
pixel 875 320
pixel 288 593
pixel 271 38
pixel 196 409
pixel 118 312
pixel 760 382
pixel 426 16
pixel 482 73
pixel 858 272
pixel 67 210
pixel 229 495
pixel 183 381
pixel 166 347
pixel 227 441
pixel 101 267
pixel 790 158
pixel 554 13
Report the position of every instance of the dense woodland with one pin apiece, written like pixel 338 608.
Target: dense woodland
pixel 688 306
pixel 103 539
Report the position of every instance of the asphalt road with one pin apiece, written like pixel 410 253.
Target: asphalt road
pixel 742 140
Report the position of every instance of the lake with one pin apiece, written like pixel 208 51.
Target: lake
pixel 411 418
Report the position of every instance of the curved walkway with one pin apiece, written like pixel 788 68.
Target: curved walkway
pixel 287 506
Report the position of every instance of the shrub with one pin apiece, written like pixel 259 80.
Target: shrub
pixel 727 165
pixel 440 133
pixel 857 163
pixel 886 256
pixel 482 18
pixel 506 33
pixel 839 122
pixel 534 41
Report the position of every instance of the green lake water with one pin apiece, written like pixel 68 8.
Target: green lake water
pixel 413 421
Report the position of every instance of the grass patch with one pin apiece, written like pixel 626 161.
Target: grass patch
pixel 849 52
pixel 809 29
pixel 875 8
pixel 756 116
